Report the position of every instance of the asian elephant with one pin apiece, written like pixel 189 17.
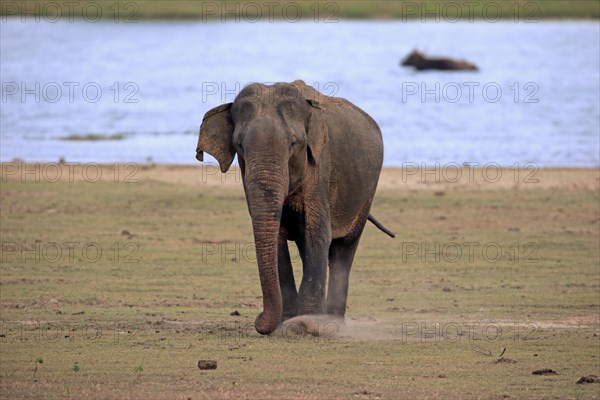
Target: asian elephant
pixel 421 62
pixel 310 165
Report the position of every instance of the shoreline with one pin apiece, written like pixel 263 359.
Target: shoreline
pixel 412 177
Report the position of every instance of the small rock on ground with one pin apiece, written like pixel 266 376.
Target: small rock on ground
pixel 589 379
pixel 544 371
pixel 207 364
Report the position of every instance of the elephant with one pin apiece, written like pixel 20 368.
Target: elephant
pixel 310 164
pixel 421 62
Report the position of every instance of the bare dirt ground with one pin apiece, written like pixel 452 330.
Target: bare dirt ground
pixel 116 282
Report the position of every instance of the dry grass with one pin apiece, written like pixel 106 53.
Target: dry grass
pixel 423 322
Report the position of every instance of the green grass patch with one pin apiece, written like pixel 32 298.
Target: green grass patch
pixel 321 11
pixel 93 137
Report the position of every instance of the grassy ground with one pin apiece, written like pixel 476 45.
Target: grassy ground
pixel 329 11
pixel 177 260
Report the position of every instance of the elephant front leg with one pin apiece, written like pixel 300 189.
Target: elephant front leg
pixel 314 253
pixel 289 294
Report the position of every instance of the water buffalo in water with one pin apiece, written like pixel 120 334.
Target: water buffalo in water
pixel 421 62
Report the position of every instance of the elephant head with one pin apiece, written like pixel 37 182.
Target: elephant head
pixel 278 135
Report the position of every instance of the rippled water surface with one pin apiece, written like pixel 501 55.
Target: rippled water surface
pixel 535 98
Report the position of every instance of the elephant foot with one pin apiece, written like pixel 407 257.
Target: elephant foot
pixel 323 325
pixel 264 325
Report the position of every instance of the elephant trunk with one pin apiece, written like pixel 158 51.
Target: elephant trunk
pixel 266 188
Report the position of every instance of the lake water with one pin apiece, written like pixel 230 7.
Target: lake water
pixel 535 98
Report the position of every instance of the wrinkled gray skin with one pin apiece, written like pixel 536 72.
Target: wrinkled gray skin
pixel 310 165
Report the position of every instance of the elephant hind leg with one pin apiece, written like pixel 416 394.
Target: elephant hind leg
pixel 341 255
pixel 289 294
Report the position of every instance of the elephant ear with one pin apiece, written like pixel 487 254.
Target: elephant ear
pixel 216 134
pixel 316 132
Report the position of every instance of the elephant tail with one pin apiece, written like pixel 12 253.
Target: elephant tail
pixel 380 226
